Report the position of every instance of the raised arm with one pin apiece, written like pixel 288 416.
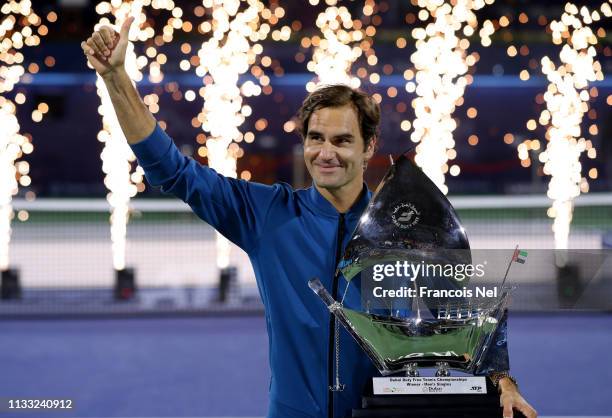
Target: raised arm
pixel 105 50
pixel 235 208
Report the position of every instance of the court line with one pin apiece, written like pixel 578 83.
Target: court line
pixel 175 205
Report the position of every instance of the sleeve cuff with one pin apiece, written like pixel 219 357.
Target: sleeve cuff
pixel 151 149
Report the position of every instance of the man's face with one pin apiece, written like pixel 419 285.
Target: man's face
pixel 334 148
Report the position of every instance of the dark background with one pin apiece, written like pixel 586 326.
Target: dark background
pixel 66 159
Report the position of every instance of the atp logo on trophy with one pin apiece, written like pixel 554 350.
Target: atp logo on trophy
pixel 405 215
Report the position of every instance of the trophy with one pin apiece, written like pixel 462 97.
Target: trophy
pixel 442 320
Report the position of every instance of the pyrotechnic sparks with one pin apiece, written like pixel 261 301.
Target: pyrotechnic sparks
pixel 567 100
pixel 334 55
pixel 17 24
pixel 442 63
pixel 237 27
pixel 122 182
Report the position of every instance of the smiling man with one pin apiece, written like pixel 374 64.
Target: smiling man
pixel 289 235
pixel 339 128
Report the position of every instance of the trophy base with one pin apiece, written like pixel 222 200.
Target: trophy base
pixel 447 385
pixel 431 405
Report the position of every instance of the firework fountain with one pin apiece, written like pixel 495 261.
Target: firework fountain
pixel 235 30
pixel 19 26
pixel 567 101
pixel 122 180
pixel 442 63
pixel 336 52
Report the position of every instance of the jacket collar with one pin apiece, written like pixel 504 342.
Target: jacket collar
pixel 323 205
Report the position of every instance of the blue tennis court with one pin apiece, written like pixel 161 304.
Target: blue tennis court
pixel 218 367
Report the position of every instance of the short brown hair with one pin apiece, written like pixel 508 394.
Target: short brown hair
pixel 368 111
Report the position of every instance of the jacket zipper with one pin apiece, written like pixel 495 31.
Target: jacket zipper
pixel 330 350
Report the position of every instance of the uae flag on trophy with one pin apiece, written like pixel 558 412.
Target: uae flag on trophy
pixel 519 256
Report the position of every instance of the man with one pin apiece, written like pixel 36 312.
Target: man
pixel 290 236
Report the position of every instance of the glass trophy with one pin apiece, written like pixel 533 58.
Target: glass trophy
pixel 439 313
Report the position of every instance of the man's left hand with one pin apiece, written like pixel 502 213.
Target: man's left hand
pixel 511 399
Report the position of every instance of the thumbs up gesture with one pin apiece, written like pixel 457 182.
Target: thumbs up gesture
pixel 105 49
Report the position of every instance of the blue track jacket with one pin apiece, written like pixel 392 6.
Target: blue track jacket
pixel 290 237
